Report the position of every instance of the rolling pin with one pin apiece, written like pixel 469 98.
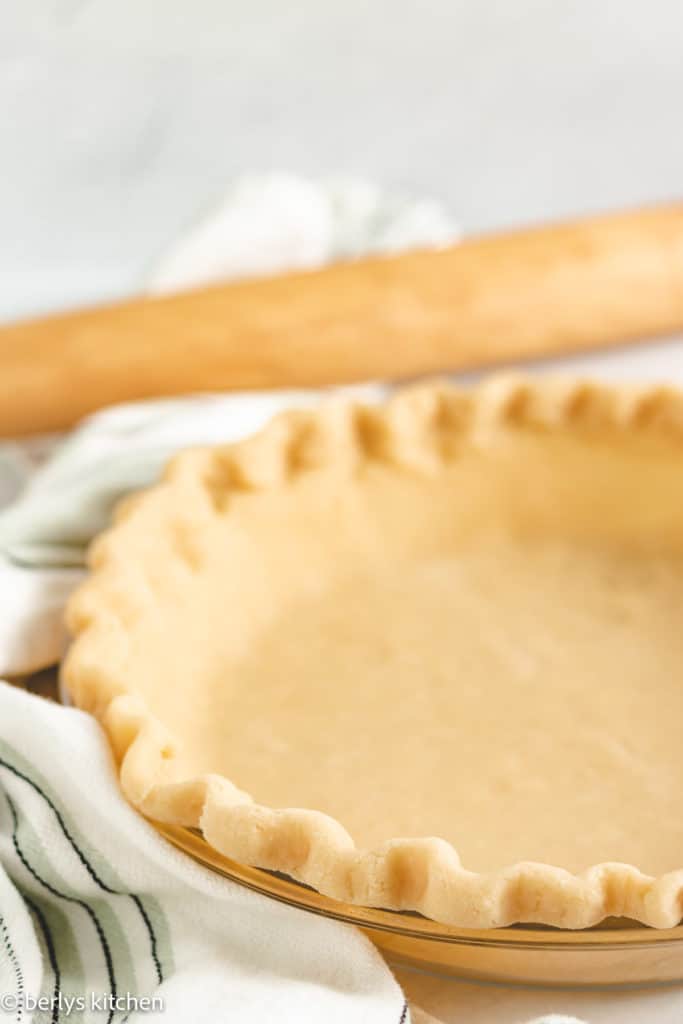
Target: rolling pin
pixel 529 293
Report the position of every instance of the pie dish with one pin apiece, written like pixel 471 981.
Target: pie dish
pixel 422 656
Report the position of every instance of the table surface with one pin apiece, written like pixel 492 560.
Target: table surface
pixel 123 120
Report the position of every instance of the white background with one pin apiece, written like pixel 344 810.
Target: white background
pixel 121 121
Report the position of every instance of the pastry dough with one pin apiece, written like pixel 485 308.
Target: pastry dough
pixel 450 624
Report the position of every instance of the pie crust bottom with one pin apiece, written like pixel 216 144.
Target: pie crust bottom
pixel 456 621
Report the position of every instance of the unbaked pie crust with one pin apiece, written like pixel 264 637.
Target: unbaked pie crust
pixel 424 656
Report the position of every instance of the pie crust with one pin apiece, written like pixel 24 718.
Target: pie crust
pixel 451 622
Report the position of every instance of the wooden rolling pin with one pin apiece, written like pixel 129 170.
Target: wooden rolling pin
pixel 530 293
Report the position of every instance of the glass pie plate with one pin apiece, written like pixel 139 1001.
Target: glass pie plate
pixel 617 952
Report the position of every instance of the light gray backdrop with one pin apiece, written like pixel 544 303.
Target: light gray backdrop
pixel 120 120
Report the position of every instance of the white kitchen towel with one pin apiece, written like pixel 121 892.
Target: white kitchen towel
pixel 272 222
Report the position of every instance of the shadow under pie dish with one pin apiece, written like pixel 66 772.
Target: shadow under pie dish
pixel 421 656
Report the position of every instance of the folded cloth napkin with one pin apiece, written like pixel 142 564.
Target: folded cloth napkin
pixel 100 918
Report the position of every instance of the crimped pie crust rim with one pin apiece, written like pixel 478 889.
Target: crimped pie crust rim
pixel 417 427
